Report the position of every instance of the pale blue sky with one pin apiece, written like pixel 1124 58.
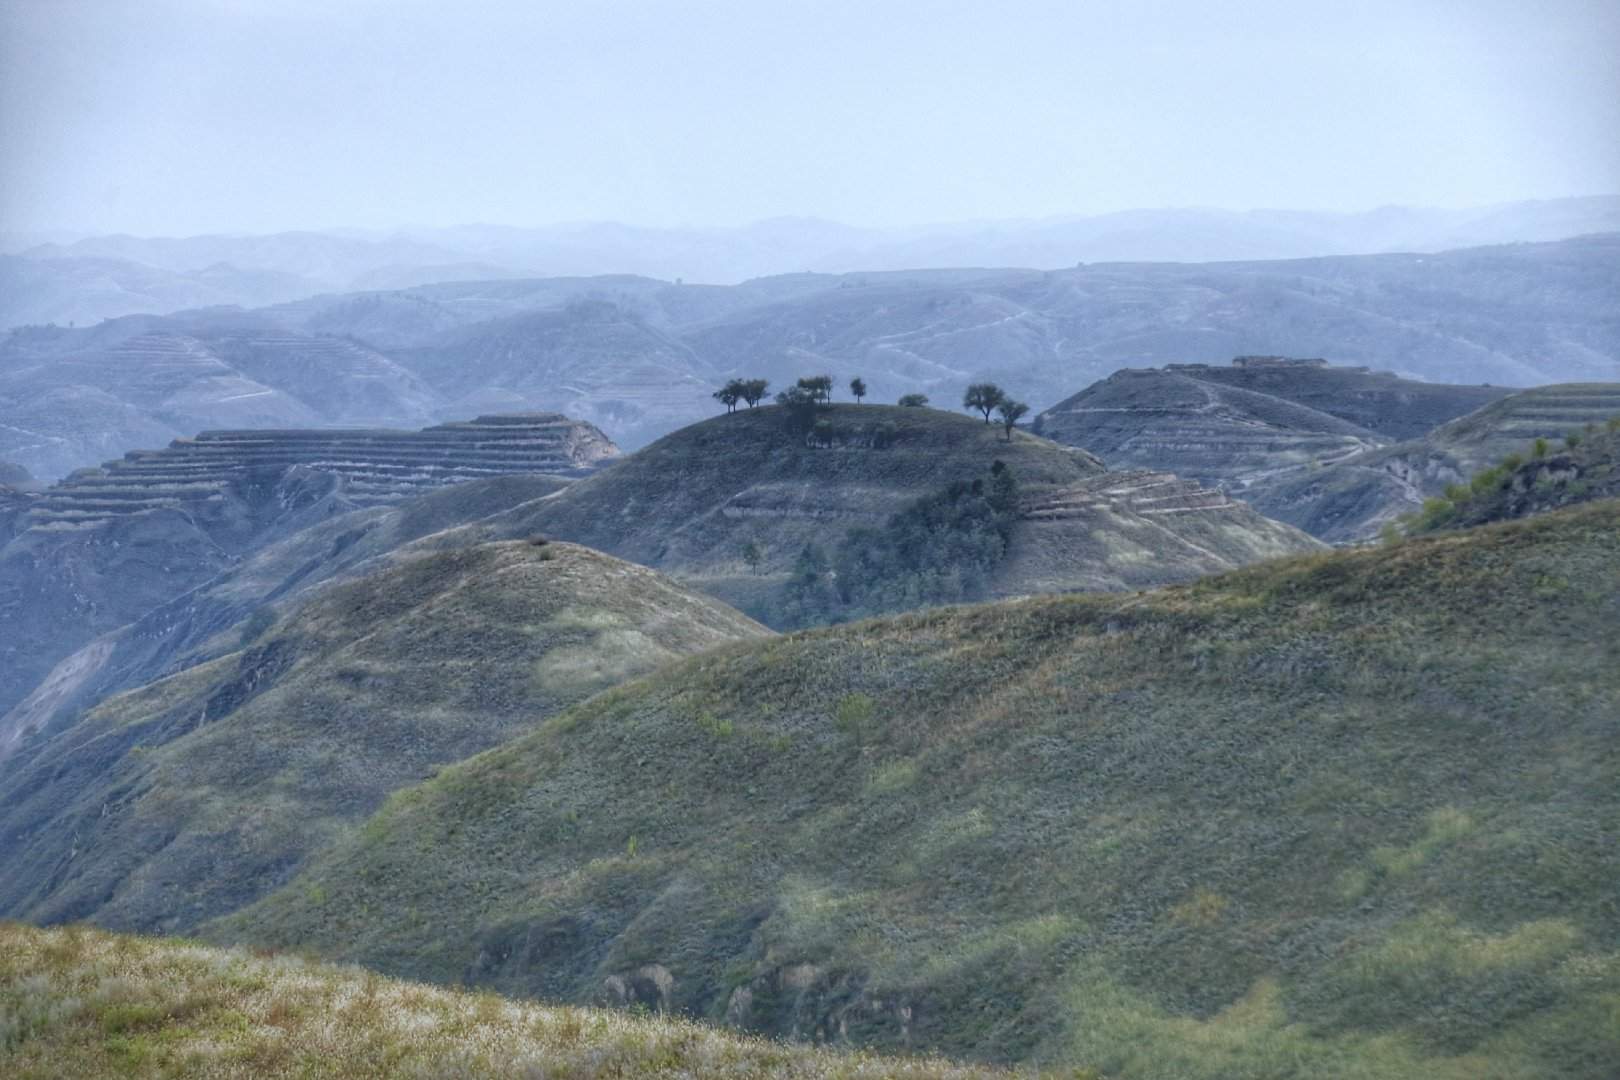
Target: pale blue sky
pixel 184 116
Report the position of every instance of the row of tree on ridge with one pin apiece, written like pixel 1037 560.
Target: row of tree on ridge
pixel 986 398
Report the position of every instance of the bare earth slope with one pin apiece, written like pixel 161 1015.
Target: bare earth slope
pixel 1349 814
pixel 189 797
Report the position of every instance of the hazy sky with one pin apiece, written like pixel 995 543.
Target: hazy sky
pixel 184 116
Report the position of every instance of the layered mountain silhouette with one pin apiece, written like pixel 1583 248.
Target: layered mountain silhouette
pixel 639 355
pixel 103 277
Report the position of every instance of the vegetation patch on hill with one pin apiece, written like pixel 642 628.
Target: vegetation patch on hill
pixel 942 549
pixel 1349 814
pixel 1586 466
pixel 80 1004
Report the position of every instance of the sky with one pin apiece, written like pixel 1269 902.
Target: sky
pixel 175 117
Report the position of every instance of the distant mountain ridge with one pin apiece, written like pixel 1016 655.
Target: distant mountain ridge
pixel 639 356
pixel 728 255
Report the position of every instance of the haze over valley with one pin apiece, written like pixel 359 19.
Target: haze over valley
pixel 819 540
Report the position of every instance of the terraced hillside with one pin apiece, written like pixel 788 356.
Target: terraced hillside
pixel 206 622
pixel 71 397
pixel 83 1005
pixel 376 466
pixel 189 797
pixel 1178 421
pixel 108 545
pixel 1586 466
pixel 1354 498
pixel 1348 814
pixel 697 504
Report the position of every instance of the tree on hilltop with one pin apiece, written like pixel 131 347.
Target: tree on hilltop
pixel 753 390
pixel 819 387
pixel 984 397
pixel 1009 411
pixel 857 387
pixel 729 394
pixel 913 401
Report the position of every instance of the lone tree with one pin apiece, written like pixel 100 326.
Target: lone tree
pixel 1009 411
pixel 857 387
pixel 752 554
pixel 984 396
pixel 818 386
pixel 730 394
pixel 913 401
pixel 753 391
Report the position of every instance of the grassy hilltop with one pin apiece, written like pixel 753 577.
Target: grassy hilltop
pixel 83 1004
pixel 198 793
pixel 1349 814
pixel 695 502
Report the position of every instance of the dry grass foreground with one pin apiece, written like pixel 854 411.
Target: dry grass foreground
pixel 82 1003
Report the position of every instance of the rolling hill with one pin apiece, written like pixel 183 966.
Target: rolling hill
pixel 1345 814
pixel 206 622
pixel 106 546
pixel 196 794
pixel 695 503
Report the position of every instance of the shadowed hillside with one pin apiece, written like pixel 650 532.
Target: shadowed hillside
pixel 189 797
pixel 1347 814
pixel 204 623
pixel 83 1004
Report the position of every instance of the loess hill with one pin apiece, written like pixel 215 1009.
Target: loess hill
pixel 1346 814
pixel 106 546
pixel 186 798
pixel 79 1004
pixel 693 503
pixel 1352 499
pixel 1258 424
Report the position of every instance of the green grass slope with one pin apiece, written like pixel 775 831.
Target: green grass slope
pixel 191 796
pixel 77 1004
pixel 1350 814
pixel 204 623
pixel 693 502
